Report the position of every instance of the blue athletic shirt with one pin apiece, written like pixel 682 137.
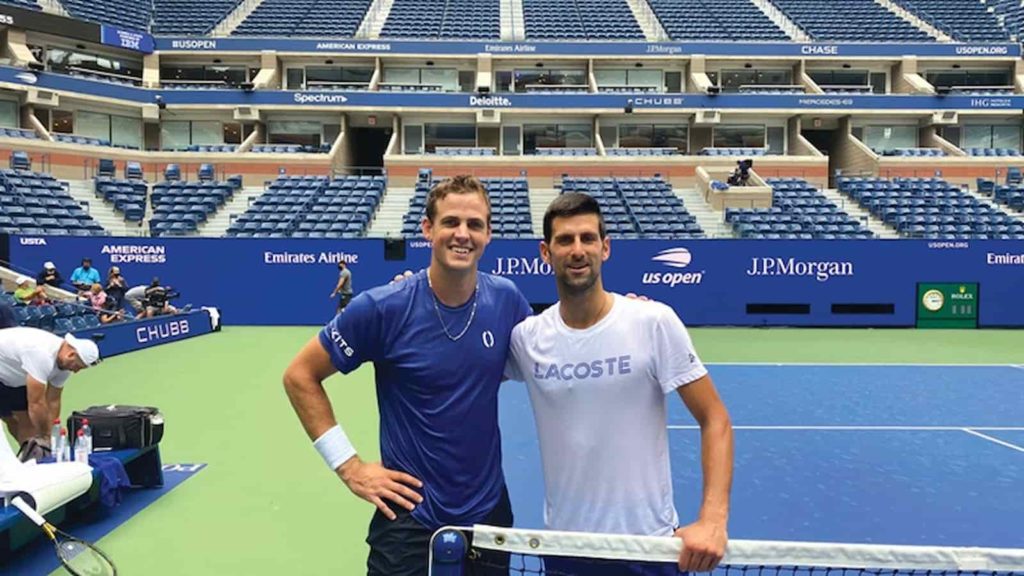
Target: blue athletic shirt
pixel 438 399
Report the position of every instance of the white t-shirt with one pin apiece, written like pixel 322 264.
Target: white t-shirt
pixel 600 401
pixel 30 352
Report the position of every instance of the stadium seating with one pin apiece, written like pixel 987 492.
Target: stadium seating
pixel 82 140
pixel 128 197
pixel 580 20
pixel 338 18
pixel 312 207
pixel 289 149
pixel 477 19
pixel 638 207
pixel 799 211
pixel 992 151
pixel 510 207
pixel 130 14
pixel 733 152
pixel 59 317
pixel 194 17
pixel 215 148
pixel 33 203
pixel 850 20
pixel 641 151
pixel 931 208
pixel 464 151
pixel 1009 196
pixel 179 207
pixel 715 20
pixel 913 152
pixel 1011 14
pixel 963 21
pixel 26 4
pixel 565 152
pixel 19 133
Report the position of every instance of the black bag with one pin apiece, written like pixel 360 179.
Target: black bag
pixel 117 427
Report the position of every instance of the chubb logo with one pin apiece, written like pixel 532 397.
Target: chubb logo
pixel 33 241
pixel 677 258
pixel 157 332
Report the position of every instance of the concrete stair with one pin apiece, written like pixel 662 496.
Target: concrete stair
pixel 540 199
pixel 103 212
pixel 850 206
pixel 711 221
pixel 393 206
pixel 218 223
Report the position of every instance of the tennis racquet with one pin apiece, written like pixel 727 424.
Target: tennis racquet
pixel 79 558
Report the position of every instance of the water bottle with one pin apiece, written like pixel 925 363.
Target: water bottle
pixel 63 451
pixel 55 437
pixel 81 454
pixel 87 435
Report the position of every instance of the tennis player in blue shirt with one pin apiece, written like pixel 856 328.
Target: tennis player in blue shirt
pixel 438 342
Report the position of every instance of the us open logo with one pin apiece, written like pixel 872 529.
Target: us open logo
pixel 677 258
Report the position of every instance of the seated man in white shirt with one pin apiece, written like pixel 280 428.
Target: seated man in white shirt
pixel 599 368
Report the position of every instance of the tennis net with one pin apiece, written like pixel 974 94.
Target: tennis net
pixel 490 551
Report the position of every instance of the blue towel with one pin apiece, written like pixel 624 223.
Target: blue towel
pixel 113 478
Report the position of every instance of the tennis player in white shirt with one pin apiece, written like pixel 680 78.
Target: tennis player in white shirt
pixel 600 368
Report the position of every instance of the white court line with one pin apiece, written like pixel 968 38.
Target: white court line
pixel 974 432
pixel 871 364
pixel 871 428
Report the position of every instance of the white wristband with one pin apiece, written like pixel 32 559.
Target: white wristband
pixel 334 447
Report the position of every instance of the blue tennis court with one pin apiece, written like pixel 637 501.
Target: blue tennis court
pixel 895 454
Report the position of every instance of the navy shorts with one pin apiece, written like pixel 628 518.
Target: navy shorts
pixel 13 399
pixel 401 547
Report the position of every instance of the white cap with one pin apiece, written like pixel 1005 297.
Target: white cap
pixel 21 280
pixel 49 266
pixel 86 349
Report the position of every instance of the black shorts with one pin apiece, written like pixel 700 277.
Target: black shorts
pixel 13 399
pixel 343 301
pixel 401 547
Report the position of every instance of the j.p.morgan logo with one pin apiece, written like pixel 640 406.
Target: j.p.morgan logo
pixel 677 258
pixel 822 271
pixel 522 267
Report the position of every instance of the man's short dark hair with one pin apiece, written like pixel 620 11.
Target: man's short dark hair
pixel 572 204
pixel 461 184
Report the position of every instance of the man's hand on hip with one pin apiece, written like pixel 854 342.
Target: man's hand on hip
pixel 704 544
pixel 374 483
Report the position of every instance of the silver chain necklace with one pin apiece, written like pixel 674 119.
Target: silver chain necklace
pixel 437 310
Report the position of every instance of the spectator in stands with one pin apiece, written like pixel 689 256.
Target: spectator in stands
pixel 344 286
pixel 28 294
pixel 741 175
pixel 156 301
pixel 97 297
pixel 34 365
pixel 117 286
pixel 111 312
pixel 50 276
pixel 85 276
pixel 135 297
